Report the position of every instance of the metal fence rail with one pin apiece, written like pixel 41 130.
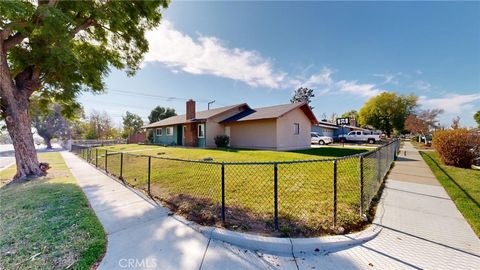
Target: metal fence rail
pixel 301 197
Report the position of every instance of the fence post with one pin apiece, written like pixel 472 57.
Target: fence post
pixel 121 166
pixel 361 186
pixel 149 166
pixel 379 157
pixel 223 193
pixel 334 193
pixel 96 157
pixel 106 161
pixel 275 196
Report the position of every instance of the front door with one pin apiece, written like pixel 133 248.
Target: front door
pixel 179 134
pixel 227 133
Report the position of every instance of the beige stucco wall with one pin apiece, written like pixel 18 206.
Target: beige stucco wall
pixel 286 140
pixel 213 128
pixel 260 134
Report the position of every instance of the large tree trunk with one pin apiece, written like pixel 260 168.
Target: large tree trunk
pixel 47 141
pixel 15 104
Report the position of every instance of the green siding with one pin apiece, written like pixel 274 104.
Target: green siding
pixel 164 139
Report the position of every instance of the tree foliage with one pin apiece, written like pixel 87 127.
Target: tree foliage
pixel 160 113
pixel 430 116
pixel 387 111
pixel 350 114
pixel 132 123
pixel 476 116
pixel 415 125
pixel 58 49
pixel 303 94
pixel 99 127
pixel 49 121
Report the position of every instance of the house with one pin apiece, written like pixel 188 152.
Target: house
pixel 325 128
pixel 281 127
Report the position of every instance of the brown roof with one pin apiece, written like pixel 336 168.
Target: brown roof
pixel 199 117
pixel 273 112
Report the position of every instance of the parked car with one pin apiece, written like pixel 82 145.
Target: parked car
pixel 316 138
pixel 360 136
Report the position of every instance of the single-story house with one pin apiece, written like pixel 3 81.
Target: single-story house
pixel 281 127
pixel 325 128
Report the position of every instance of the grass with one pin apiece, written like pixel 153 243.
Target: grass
pixel 305 200
pixel 462 185
pixel 234 155
pixel 47 223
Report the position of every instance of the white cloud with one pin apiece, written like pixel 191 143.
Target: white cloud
pixel 422 85
pixel 452 103
pixel 208 55
pixel 388 78
pixel 327 84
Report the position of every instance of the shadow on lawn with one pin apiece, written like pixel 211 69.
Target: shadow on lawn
pixel 331 151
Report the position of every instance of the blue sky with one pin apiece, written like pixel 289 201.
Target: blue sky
pixel 259 52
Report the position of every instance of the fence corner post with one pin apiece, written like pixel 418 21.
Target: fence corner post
pixel 362 199
pixel 275 196
pixel 96 157
pixel 149 166
pixel 334 194
pixel 223 193
pixel 121 166
pixel 106 161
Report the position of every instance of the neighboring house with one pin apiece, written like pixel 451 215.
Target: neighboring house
pixel 281 127
pixel 325 128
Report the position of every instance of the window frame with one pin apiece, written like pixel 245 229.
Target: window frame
pixel 167 129
pixel 296 128
pixel 203 131
pixel 161 132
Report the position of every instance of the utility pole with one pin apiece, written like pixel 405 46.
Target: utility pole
pixel 211 102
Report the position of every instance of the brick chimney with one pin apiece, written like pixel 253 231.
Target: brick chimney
pixel 353 121
pixel 190 109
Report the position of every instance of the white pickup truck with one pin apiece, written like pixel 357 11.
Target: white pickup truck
pixel 360 136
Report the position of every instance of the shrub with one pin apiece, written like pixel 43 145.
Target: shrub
pixel 222 140
pixel 456 147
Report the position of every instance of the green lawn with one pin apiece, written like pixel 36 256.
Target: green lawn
pixel 47 223
pixel 462 185
pixel 305 190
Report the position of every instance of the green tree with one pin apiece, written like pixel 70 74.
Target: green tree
pixel 132 123
pixel 100 127
pixel 160 113
pixel 476 116
pixel 303 94
pixel 387 111
pixel 60 48
pixel 49 121
pixel 351 114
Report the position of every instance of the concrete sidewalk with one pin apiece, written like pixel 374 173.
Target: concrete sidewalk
pixel 141 234
pixel 421 229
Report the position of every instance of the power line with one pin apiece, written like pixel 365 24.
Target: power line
pixel 167 98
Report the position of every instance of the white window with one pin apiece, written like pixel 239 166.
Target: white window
pixel 184 131
pixel 159 131
pixel 296 128
pixel 201 130
pixel 169 131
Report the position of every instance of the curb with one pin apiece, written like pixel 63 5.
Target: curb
pixel 295 246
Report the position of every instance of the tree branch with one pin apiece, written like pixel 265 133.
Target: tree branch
pixel 87 23
pixel 12 41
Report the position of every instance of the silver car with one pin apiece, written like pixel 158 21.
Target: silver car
pixel 316 138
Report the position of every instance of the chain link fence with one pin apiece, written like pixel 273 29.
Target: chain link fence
pixel 290 198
